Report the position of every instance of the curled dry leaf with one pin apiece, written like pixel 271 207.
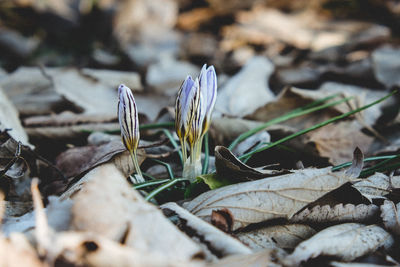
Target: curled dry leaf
pixel 345 241
pixel 377 186
pixel 339 213
pixel 222 219
pixel 219 243
pixel 269 198
pixel 228 166
pixel 390 216
pixel 284 236
pixel 107 205
pixel 357 163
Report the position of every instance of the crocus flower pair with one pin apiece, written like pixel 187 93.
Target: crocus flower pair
pixel 194 104
pixel 193 108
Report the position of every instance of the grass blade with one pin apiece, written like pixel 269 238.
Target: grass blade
pixel 150 183
pixel 163 187
pixel 348 164
pixel 292 114
pixel 319 125
pixel 167 166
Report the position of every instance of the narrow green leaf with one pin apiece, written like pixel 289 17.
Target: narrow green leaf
pixel 161 188
pixel 290 115
pixel 167 166
pixel 317 126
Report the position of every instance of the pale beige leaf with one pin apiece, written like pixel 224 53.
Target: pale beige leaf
pixel 248 90
pixel 9 120
pixel 377 185
pixel 223 128
pixel 217 241
pixel 285 236
pixel 258 259
pixel 107 205
pixel 345 241
pixel 88 249
pixel 16 252
pixel 348 213
pixel 390 216
pixel 354 264
pixel 276 197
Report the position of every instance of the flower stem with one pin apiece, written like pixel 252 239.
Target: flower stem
pixel 139 177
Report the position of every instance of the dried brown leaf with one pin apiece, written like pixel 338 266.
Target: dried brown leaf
pixel 79 160
pixel 345 241
pixel 268 198
pixel 338 141
pixel 284 236
pixel 338 214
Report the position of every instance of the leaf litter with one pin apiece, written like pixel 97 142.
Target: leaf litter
pixel 282 67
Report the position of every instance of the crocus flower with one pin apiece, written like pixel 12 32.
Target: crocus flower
pixel 129 122
pixel 194 105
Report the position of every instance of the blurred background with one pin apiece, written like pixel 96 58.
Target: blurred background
pixel 257 46
pixel 134 34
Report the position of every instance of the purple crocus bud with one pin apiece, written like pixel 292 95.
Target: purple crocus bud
pixel 128 118
pixel 129 122
pixel 185 107
pixel 208 91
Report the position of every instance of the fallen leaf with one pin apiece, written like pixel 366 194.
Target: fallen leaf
pixel 247 90
pixel 390 216
pixel 292 98
pixel 385 61
pixel 286 236
pixel 377 186
pixel 89 249
pixel 304 30
pixel 345 241
pixel 268 198
pixel 338 214
pixel 57 213
pixel 225 128
pixel 262 137
pixel 9 120
pixel 338 141
pixel 108 206
pixel 16 251
pixel 218 242
pixel 79 160
pixel 257 259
